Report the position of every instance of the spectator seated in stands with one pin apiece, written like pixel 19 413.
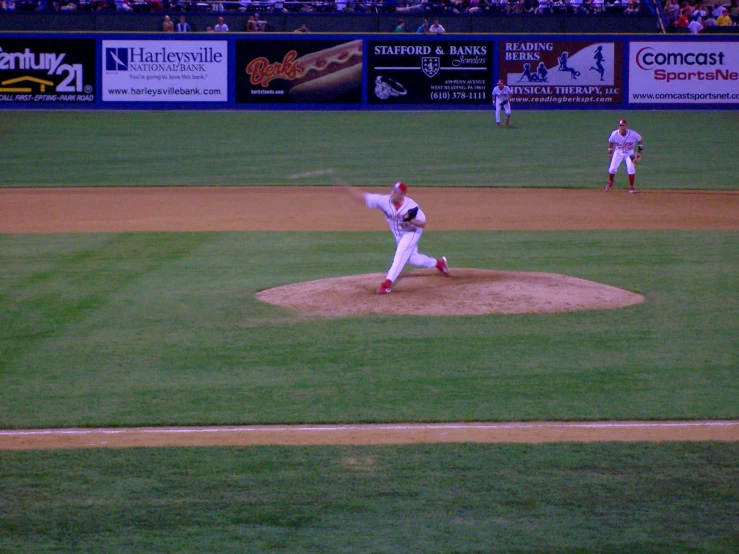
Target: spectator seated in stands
pixel 544 7
pixel 709 21
pixel 597 6
pixel 700 11
pixel 683 20
pixel 260 23
pixel 167 25
pixel 672 11
pixel 725 19
pixel 632 7
pixel 475 7
pixel 412 6
pixel 575 6
pixel 695 26
pixel 69 6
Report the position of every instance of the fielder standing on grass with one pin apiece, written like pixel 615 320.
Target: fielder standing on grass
pixel 502 98
pixel 406 221
pixel 624 140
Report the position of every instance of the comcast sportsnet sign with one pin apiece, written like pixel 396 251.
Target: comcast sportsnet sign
pixel 165 71
pixel 684 72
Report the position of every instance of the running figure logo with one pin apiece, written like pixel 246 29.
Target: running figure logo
pixel 599 59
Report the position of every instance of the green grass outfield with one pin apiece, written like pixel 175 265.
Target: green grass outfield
pixel 163 329
pixel 683 150
pixel 567 498
pixel 156 329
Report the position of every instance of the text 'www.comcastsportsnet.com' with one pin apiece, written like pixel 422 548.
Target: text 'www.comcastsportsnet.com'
pixel 694 97
pixel 169 91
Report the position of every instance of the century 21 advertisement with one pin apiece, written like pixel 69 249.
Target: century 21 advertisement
pixel 429 72
pixel 299 71
pixel 45 71
pixel 562 72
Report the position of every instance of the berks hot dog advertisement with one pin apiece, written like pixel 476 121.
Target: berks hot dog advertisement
pixel 423 71
pixel 299 71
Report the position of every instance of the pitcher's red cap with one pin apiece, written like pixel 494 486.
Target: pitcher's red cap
pixel 400 187
pixel 622 122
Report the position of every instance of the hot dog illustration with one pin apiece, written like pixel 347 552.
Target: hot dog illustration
pixel 328 73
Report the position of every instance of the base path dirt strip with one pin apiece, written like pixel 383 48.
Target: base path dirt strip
pixel 531 432
pixel 86 210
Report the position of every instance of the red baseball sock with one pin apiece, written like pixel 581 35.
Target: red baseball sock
pixel 631 181
pixel 610 179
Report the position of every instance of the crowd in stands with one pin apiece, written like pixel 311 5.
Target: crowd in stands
pixel 680 15
pixel 696 17
pixel 431 7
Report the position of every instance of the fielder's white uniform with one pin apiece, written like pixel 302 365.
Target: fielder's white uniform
pixel 624 149
pixel 406 234
pixel 502 97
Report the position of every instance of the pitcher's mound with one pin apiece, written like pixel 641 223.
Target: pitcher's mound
pixel 465 292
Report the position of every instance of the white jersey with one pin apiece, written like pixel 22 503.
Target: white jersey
pixel 625 143
pixel 393 215
pixel 501 95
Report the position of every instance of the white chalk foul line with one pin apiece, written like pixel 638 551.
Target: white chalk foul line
pixel 372 427
pixel 317 173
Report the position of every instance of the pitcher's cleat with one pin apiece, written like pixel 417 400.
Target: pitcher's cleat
pixel 385 287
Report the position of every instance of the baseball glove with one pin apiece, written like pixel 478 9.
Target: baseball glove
pixel 636 159
pixel 504 103
pixel 410 214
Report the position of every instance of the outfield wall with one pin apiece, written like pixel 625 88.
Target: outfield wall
pixel 365 72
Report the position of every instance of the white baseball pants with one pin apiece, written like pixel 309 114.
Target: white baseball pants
pixel 618 157
pixel 498 107
pixel 407 253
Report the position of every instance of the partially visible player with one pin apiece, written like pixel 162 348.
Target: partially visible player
pixel 406 221
pixel 621 147
pixel 502 97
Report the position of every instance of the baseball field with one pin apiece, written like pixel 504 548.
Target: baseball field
pixel 150 401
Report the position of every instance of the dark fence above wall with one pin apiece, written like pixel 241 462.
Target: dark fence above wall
pixel 332 22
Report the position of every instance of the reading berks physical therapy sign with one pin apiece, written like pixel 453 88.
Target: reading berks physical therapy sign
pixel 562 72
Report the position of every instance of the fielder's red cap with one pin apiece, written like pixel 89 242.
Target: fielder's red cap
pixel 400 187
pixel 500 81
pixel 622 122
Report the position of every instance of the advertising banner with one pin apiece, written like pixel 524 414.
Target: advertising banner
pixel 299 71
pixel 430 72
pixel 684 72
pixel 563 72
pixel 165 71
pixel 47 70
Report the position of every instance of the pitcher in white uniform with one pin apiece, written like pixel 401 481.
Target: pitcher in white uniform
pixel 406 221
pixel 624 140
